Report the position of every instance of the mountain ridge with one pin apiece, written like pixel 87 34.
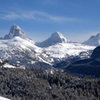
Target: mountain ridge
pixel 93 40
pixel 24 52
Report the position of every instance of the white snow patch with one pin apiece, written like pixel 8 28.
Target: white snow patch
pixel 63 49
pixel 8 66
pixel 33 62
pixel 3 98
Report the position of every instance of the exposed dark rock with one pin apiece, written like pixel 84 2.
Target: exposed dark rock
pixel 15 31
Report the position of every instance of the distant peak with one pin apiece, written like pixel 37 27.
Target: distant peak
pixel 57 34
pixel 15 27
pixel 55 38
pixel 15 30
pixel 93 40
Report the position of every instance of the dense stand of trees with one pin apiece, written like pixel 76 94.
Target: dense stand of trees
pixel 19 84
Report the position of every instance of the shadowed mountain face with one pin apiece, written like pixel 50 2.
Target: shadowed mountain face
pixel 15 31
pixel 90 67
pixel 55 38
pixel 96 53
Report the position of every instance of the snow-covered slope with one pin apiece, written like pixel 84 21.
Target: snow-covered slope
pixel 8 66
pixel 3 98
pixel 57 48
pixel 55 38
pixel 21 52
pixel 60 51
pixel 93 40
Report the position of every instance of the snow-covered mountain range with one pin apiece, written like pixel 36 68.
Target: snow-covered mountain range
pixel 19 50
pixel 93 40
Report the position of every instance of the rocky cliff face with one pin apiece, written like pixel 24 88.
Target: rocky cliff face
pixel 15 31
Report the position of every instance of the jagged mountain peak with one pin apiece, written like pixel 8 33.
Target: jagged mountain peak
pixel 14 26
pixel 59 36
pixel 15 31
pixel 55 38
pixel 93 40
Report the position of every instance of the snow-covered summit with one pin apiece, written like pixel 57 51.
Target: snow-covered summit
pixel 93 40
pixel 59 37
pixel 55 38
pixel 15 31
